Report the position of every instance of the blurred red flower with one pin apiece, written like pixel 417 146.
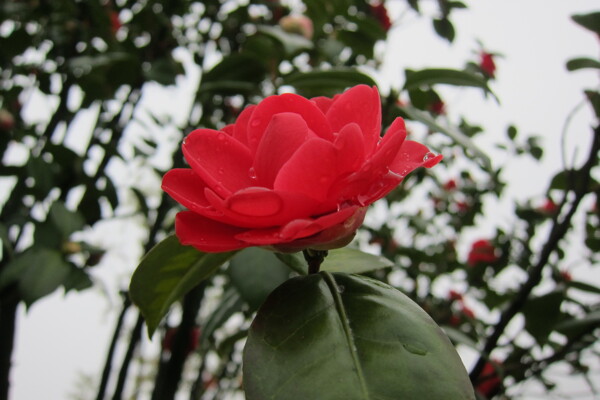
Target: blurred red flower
pixel 489 380
pixel 482 251
pixel 487 64
pixel 380 13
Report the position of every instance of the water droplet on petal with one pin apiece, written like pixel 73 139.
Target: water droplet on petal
pixel 428 156
pixel 255 122
pixel 252 173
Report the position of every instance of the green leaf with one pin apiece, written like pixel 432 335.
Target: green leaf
pixel 444 28
pixel 457 136
pixel 581 63
pixel 348 260
pixel 586 287
pixel 326 82
pixel 336 336
pixel 230 303
pixel 255 273
pixel 292 43
pixel 511 132
pixel 575 325
pixel 434 76
pixel 166 273
pixel 38 272
pixel 542 314
pixel 589 21
pixel 65 220
pixel 236 73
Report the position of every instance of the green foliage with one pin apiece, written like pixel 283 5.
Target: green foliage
pixel 340 336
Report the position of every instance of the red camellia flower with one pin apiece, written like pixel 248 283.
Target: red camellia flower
pixel 490 381
pixel 482 251
pixel 487 64
pixel 380 13
pixel 291 173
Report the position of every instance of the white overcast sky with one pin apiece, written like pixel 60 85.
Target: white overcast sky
pixel 62 338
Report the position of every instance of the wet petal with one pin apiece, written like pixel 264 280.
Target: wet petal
pixel 311 170
pixel 266 109
pixel 261 207
pixel 362 105
pixel 220 160
pixel 185 187
pixel 350 149
pixel 240 130
pixel 284 135
pixel 205 234
pixel 411 156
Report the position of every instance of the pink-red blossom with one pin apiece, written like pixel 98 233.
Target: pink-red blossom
pixel 482 251
pixel 291 173
pixel 380 13
pixel 487 64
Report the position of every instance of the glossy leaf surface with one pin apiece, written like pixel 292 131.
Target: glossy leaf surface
pixel 168 272
pixel 336 336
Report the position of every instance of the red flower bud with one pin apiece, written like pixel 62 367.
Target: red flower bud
pixel 549 207
pixel 380 13
pixel 454 295
pixel 487 64
pixel 450 185
pixel 482 251
pixel 489 380
pixel 7 121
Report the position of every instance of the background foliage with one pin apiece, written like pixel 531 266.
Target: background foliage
pixel 80 142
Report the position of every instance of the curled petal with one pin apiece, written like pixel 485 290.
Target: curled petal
pixel 183 185
pixel 240 129
pixel 257 207
pixel 362 105
pixel 291 103
pixel 219 159
pixel 284 135
pixel 205 234
pixel 350 149
pixel 411 156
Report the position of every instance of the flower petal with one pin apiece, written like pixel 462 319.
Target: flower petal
pixel 323 103
pixel 362 105
pixel 205 234
pixel 411 156
pixel 240 130
pixel 185 187
pixel 311 170
pixel 289 102
pixel 350 149
pixel 219 159
pixel 284 135
pixel 261 207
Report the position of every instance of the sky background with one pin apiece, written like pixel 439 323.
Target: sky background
pixel 62 339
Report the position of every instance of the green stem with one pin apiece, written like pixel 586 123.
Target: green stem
pixel 314 258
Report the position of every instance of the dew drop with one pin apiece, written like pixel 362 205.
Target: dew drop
pixel 340 288
pixel 428 155
pixel 255 122
pixel 414 349
pixel 252 173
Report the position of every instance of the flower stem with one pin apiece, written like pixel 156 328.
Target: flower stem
pixel 314 258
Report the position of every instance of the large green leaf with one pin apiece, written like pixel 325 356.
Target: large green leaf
pixel 348 260
pixel 166 273
pixel 336 336
pixel 590 21
pixel 327 82
pixel 542 314
pixel 292 43
pixel 454 134
pixel 433 76
pixel 255 273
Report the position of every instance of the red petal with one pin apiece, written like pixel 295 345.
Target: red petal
pixel 183 185
pixel 261 207
pixel 205 234
pixel 266 109
pixel 350 146
pixel 220 160
pixel 311 170
pixel 387 150
pixel 411 156
pixel 240 131
pixel 360 104
pixel 323 103
pixel 284 135
pixel 297 229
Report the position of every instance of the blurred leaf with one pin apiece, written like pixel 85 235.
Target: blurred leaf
pixel 459 337
pixel 353 261
pixel 594 99
pixel 255 273
pixel 236 73
pixel 327 82
pixel 573 326
pixel 167 272
pixel 339 336
pixel 457 136
pixel 230 303
pixel 295 261
pixel 581 63
pixel 590 21
pixel 38 272
pixel 292 43
pixel 542 314
pixel 511 132
pixel 434 76
pixel 164 71
pixel 43 176
pixel 77 280
pixel 444 28
pixel 65 220
pixel 583 286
